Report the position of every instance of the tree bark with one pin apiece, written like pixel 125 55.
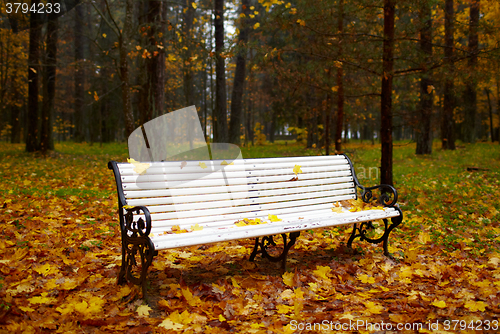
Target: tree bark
pixel 123 40
pixel 220 124
pixel 340 83
pixel 188 18
pixel 79 83
pixel 470 95
pixel 46 140
pixel 239 78
pixel 386 94
pixel 33 69
pixel 448 124
pixel 424 116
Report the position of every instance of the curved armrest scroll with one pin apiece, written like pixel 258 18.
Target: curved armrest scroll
pixel 141 227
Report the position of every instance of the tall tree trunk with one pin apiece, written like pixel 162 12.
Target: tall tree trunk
pixel 187 22
pixel 79 82
pixel 340 83
pixel 470 95
pixel 123 40
pixel 220 124
pixel 33 69
pixel 424 116
pixel 490 110
pixel 46 140
pixel 448 124
pixel 239 78
pixel 386 94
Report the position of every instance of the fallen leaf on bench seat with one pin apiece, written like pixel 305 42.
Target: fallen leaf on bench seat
pixel 196 227
pixel 223 163
pixel 273 218
pixel 297 169
pixel 140 168
pixel 177 230
pixel 202 165
pixel 246 221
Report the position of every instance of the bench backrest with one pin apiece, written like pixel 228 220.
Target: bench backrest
pixel 215 193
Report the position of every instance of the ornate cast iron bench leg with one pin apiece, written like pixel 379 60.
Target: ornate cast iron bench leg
pixel 137 251
pixel 261 245
pixel 360 232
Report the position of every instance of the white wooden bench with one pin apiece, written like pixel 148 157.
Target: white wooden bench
pixel 210 200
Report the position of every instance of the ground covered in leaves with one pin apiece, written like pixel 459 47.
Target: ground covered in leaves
pixel 60 255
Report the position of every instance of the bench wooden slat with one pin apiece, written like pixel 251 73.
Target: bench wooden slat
pixel 341 182
pixel 228 193
pixel 239 232
pixel 265 209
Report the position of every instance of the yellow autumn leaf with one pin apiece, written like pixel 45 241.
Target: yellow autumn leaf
pixel 221 318
pixel 26 182
pixel 202 165
pixel 374 308
pixel 284 309
pixel 297 170
pixel 301 22
pixel 424 237
pixel 224 163
pixel 194 5
pixel 256 25
pixel 140 168
pixel 337 209
pixel 128 206
pixel 288 279
pixel 104 35
pixel 96 97
pixel 430 88
pixel 366 279
pixel 143 310
pixel 169 324
pixel 43 299
pixel 196 227
pixel 322 271
pixel 440 303
pixel 44 270
pixel 474 306
pixel 273 218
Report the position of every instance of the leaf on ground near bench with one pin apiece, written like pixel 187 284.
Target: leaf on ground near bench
pixel 474 306
pixel 196 227
pixel 140 168
pixel 273 218
pixel 288 279
pixel 440 303
pixel 246 221
pixel 366 279
pixel 297 170
pixel 143 310
pixel 322 271
pixel 374 308
pixel 43 299
pixel 224 163
pixel 169 324
pixel 203 165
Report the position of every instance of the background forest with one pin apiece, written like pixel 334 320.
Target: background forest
pixel 324 72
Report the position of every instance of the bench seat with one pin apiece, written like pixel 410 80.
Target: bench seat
pixel 208 200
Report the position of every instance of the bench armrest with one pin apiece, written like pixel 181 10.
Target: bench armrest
pixel 388 194
pixel 139 227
